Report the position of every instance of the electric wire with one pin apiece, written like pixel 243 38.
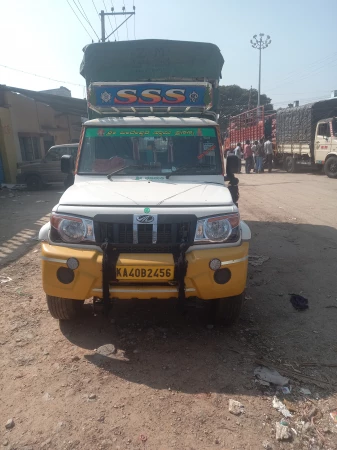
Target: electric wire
pixel 126 23
pixel 311 66
pixel 106 10
pixel 289 78
pixel 93 2
pixel 79 19
pixel 112 6
pixel 40 76
pixel 84 13
pixel 85 17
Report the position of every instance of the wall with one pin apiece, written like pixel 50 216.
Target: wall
pixel 39 119
pixel 21 114
pixel 24 118
pixel 7 146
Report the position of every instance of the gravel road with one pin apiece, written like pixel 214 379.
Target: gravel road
pixel 151 379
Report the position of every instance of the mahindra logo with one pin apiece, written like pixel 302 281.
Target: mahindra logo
pixel 145 219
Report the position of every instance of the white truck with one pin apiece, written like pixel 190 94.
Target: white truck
pixel 149 215
pixel 307 135
pixel 301 135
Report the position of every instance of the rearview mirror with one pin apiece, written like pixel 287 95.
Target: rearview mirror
pixel 67 164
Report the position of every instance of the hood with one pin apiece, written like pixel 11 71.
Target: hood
pixel 146 193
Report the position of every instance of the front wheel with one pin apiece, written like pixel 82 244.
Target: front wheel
pixel 330 167
pixel 64 308
pixel 227 310
pixel 290 164
pixel 34 183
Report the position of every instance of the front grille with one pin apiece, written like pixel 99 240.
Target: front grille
pixel 154 248
pixel 171 232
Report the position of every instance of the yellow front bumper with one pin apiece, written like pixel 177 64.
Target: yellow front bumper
pixel 199 280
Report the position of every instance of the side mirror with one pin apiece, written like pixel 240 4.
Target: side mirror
pixel 67 164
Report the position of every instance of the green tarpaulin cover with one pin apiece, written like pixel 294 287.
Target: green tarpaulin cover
pixel 298 125
pixel 151 60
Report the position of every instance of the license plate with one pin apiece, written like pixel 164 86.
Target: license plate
pixel 144 273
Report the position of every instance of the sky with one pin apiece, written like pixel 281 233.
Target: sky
pixel 45 38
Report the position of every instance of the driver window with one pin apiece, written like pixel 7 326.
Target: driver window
pixel 73 152
pixel 323 130
pixel 54 154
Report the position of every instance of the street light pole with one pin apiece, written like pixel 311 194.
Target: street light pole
pixel 260 44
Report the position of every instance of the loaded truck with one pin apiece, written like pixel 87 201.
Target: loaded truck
pixel 302 135
pixel 148 215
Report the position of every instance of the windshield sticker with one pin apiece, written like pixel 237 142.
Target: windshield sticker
pixel 149 132
pixel 205 152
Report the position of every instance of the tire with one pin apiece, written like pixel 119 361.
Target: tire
pixel 290 164
pixel 34 182
pixel 227 310
pixel 64 308
pixel 330 167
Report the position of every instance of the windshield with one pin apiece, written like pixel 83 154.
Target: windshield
pixel 144 151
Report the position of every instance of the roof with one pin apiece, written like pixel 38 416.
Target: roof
pixel 148 121
pixel 150 60
pixel 67 105
pixel 64 145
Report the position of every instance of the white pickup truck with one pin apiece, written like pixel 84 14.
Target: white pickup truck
pixel 148 215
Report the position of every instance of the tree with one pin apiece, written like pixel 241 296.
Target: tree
pixel 235 100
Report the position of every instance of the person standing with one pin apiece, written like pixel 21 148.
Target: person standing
pixel 237 153
pixel 268 149
pixel 248 155
pixel 254 155
pixel 259 156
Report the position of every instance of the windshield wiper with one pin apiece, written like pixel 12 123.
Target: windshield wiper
pixel 133 166
pixel 116 171
pixel 184 168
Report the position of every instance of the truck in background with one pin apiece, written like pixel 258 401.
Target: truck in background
pixel 307 135
pixel 148 215
pixel 302 136
pixel 252 125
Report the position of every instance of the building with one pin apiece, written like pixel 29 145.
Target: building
pixel 31 122
pixel 63 91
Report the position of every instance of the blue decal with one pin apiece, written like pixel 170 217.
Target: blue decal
pixel 150 94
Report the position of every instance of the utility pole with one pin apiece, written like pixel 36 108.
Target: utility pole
pixel 103 25
pixel 249 98
pixel 260 44
pixel 113 13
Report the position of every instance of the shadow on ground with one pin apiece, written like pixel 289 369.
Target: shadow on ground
pixel 23 213
pixel 153 344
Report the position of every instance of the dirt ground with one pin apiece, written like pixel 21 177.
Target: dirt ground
pixel 168 379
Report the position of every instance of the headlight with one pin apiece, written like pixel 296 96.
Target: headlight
pixel 217 229
pixel 72 229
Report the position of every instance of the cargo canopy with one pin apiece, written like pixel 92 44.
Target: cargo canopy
pixel 151 60
pixel 299 124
